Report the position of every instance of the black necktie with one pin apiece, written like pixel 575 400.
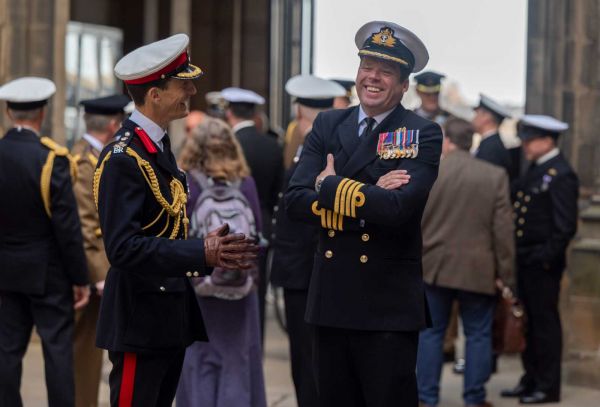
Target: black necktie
pixel 368 128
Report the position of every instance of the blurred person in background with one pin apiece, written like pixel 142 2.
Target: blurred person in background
pixel 43 272
pixel 545 213
pixel 265 159
pixel 227 371
pixel 294 243
pixel 193 120
pixel 468 244
pixel 429 85
pixel 103 117
pixel 344 101
pixel 489 115
pixel 216 105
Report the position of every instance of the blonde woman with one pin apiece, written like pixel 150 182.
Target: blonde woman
pixel 227 371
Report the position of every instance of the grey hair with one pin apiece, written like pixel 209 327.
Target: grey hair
pixel 25 115
pixel 98 122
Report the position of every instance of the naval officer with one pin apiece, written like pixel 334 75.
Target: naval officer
pixel 366 296
pixel 149 313
pixel 545 208
pixel 43 272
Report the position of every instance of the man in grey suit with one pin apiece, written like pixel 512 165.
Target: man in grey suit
pixel 468 244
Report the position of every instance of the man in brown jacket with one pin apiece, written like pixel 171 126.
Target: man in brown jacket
pixel 103 118
pixel 467 245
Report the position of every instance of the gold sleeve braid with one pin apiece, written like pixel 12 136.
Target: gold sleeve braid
pixel 348 197
pixel 46 176
pixel 329 218
pixel 176 209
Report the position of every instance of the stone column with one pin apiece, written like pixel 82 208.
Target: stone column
pixel 563 80
pixel 32 36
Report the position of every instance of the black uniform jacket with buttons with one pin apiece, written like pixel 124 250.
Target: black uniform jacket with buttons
pixel 265 159
pixel 293 246
pixel 148 303
pixel 34 246
pixel 367 270
pixel 545 205
pixel 492 150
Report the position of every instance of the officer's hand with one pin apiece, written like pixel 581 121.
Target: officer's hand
pixel 81 296
pixel 393 179
pixel 234 251
pixel 99 288
pixel 329 169
pixel 223 230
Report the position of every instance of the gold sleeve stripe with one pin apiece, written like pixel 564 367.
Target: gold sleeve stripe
pixel 358 200
pixel 334 220
pixel 339 192
pixel 329 218
pixel 348 199
pixel 344 199
pixel 319 212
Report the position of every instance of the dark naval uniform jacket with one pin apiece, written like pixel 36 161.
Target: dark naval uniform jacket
pixel 545 205
pixel 492 150
pixel 293 246
pixel 367 271
pixel 148 304
pixel 40 234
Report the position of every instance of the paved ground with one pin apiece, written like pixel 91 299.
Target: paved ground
pixel 279 387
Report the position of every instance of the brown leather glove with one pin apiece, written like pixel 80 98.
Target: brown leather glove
pixel 229 251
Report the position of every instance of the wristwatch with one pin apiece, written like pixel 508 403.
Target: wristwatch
pixel 318 184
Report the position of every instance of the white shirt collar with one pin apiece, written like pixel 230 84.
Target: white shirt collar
pixel 31 129
pixel 154 131
pixel 378 119
pixel 93 141
pixel 548 156
pixel 243 125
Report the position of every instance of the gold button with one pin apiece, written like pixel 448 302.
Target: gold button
pixel 524 209
pixel 527 198
pixel 521 221
pixel 517 204
pixel 189 274
pixel 364 259
pixel 519 233
pixel 196 274
pixel 162 288
pixel 329 254
pixel 365 237
pixel 520 194
pixel 331 233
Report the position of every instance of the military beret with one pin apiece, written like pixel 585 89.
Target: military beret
pixel 391 42
pixel 27 93
pixel 162 59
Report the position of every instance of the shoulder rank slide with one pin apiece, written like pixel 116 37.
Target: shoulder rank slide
pixel 400 143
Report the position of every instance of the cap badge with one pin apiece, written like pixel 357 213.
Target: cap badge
pixel 384 37
pixel 400 143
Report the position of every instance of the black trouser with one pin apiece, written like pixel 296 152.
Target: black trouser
pixel 52 315
pixel 539 291
pixel 300 335
pixel 366 368
pixel 144 379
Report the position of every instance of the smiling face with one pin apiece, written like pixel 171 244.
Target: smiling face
pixel 379 85
pixel 173 102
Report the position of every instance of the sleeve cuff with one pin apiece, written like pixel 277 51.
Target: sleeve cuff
pixel 341 195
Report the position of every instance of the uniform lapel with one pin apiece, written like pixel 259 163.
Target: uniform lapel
pixel 366 152
pixel 348 133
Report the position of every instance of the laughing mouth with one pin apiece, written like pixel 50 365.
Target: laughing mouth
pixel 373 89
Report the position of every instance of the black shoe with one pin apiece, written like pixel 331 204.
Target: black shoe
pixel 519 390
pixel 459 366
pixel 449 356
pixel 539 397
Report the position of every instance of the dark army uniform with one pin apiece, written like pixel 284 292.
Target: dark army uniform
pixel 367 285
pixel 545 205
pixel 41 258
pixel 148 305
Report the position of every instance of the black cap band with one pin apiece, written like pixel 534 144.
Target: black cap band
pixel 26 105
pixel 315 103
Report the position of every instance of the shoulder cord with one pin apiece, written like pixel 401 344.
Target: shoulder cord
pixel 46 176
pixel 176 210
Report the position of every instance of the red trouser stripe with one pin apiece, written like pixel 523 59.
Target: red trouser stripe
pixel 127 380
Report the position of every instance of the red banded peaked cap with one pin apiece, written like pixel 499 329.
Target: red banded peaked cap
pixel 162 59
